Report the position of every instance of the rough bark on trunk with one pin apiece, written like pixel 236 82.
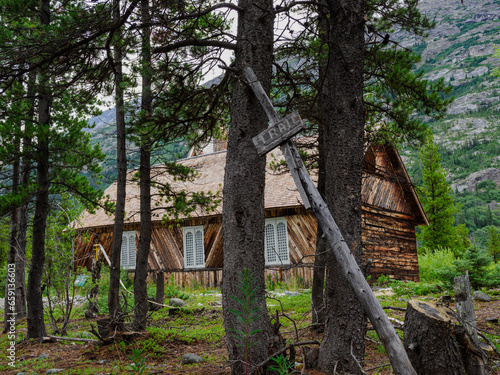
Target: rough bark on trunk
pixel 121 161
pixel 11 257
pixel 318 282
pixel 342 113
pixel 36 324
pixel 160 288
pixel 430 341
pixel 141 268
pixel 23 210
pixel 243 216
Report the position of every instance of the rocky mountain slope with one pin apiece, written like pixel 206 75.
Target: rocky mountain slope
pixel 461 51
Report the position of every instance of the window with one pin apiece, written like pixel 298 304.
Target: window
pixel 194 250
pixel 128 250
pixel 276 242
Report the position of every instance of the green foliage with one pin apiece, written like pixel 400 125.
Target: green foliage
pixel 437 201
pixel 383 280
pixel 174 291
pixel 430 262
pixel 139 362
pixel 493 243
pixel 476 262
pixel 246 313
pixel 282 365
pixel 272 282
pixel 443 265
pixel 410 288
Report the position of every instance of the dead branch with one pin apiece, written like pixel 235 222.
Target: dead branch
pixel 59 338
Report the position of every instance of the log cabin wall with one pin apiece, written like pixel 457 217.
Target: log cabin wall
pixel 389 241
pixel 389 216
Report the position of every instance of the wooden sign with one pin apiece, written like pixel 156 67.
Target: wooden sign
pixel 280 132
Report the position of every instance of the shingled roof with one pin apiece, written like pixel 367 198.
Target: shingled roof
pixel 280 190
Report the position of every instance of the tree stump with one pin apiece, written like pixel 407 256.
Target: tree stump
pixel 430 340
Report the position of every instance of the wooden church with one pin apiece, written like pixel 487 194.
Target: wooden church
pixel 190 249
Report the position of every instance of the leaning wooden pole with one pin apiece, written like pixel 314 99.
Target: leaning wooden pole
pixel 265 142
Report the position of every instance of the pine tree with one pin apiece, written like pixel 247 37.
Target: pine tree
pixel 437 200
pixel 493 242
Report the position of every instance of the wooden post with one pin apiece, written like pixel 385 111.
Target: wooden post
pixel 465 306
pixel 475 357
pixel 160 287
pixel 313 200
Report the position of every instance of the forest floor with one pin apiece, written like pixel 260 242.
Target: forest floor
pixel 198 330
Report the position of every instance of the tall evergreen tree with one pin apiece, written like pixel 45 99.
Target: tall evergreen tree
pixel 436 198
pixel 140 286
pixel 493 242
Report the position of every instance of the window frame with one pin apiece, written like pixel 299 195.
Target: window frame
pixel 275 221
pixel 198 246
pixel 127 236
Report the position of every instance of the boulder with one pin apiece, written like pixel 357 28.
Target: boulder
pixel 176 302
pixel 190 358
pixel 480 296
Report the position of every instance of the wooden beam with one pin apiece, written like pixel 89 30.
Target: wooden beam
pixel 309 193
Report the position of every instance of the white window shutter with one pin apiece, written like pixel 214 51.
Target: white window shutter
pixel 276 242
pixel 188 248
pixel 124 252
pixel 270 242
pixel 128 253
pixel 194 250
pixel 200 250
pixel 131 251
pixel 282 240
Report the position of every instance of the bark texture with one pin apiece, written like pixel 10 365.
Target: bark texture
pixel 318 281
pixel 342 110
pixel 23 210
pixel 160 288
pixel 11 257
pixel 430 341
pixel 141 269
pixel 243 216
pixel 121 161
pixel 36 325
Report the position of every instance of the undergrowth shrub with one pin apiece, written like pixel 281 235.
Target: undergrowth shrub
pixel 443 265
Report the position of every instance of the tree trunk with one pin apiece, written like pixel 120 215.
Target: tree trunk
pixel 23 210
pixel 36 324
pixel 318 282
pixel 121 161
pixel 430 341
pixel 92 308
pixel 141 268
pixel 243 215
pixel 342 112
pixel 160 288
pixel 11 257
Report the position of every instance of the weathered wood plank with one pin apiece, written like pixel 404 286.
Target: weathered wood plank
pixel 465 306
pixel 283 130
